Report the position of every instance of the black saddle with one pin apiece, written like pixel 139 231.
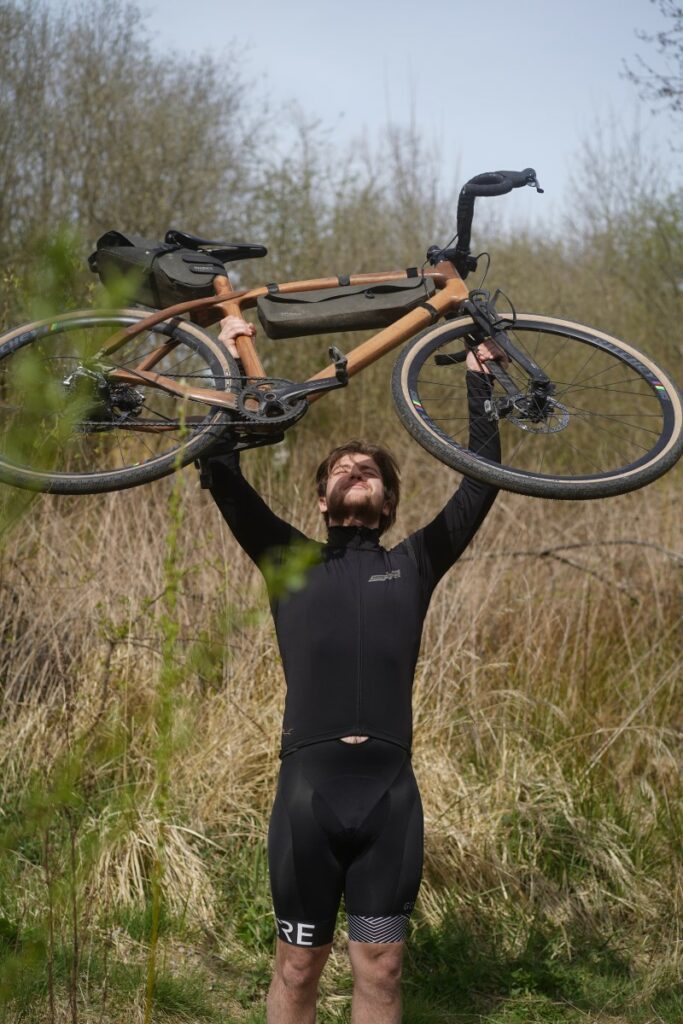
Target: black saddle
pixel 227 252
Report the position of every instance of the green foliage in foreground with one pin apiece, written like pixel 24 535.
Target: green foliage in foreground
pixel 453 975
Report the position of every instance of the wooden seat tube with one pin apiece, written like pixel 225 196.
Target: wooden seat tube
pixel 245 345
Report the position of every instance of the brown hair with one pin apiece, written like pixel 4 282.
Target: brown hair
pixel 386 463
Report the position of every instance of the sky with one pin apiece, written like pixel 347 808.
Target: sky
pixel 492 84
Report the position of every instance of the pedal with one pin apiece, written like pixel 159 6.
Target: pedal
pixel 340 364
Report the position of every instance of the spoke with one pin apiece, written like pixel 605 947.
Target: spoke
pixel 483 444
pixel 582 454
pixel 117 442
pixel 449 419
pixel 619 437
pixel 442 384
pixel 454 435
pixel 534 355
pixel 612 366
pixel 624 441
pixel 591 356
pixel 610 389
pixel 440 400
pixel 159 415
pixel 543 455
pixel 587 414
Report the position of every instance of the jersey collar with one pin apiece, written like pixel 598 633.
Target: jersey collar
pixel 353 537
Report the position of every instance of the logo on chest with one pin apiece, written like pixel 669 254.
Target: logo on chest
pixel 384 577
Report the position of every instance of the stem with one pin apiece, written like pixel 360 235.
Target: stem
pixel 50 925
pixel 74 923
pixel 163 714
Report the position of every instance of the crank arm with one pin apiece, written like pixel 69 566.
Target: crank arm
pixel 340 380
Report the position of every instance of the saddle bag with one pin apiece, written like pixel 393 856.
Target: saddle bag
pixel 160 274
pixel 347 308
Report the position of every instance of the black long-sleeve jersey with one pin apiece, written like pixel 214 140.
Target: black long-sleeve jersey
pixel 350 637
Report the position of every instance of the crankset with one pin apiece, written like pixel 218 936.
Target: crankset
pixel 273 404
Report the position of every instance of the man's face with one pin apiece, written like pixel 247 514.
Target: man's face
pixel 354 495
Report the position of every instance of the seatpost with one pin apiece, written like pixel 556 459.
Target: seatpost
pixel 245 344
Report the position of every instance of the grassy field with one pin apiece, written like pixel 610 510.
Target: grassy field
pixel 142 695
pixel 141 690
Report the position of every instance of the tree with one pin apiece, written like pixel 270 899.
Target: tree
pixel 663 86
pixel 100 130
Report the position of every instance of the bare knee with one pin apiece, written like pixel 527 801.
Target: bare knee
pixel 299 969
pixel 377 968
pixel 298 977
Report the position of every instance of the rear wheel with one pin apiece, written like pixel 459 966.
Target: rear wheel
pixel 68 428
pixel 613 423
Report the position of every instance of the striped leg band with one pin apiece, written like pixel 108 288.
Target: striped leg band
pixel 377 929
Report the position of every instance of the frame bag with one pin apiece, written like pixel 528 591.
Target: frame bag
pixel 347 308
pixel 160 274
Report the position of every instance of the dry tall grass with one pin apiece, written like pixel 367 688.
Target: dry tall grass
pixel 548 707
pixel 548 712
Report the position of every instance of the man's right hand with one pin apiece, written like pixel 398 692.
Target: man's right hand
pixel 232 327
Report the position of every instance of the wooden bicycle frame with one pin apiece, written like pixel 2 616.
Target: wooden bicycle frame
pixel 451 291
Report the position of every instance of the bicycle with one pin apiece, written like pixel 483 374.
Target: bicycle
pixel 582 414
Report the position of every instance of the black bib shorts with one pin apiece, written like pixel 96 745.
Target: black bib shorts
pixel 347 820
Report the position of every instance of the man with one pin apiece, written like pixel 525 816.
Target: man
pixel 347 817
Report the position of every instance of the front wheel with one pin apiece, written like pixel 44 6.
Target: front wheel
pixel 613 423
pixel 68 427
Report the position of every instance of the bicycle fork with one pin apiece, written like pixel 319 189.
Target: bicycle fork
pixel 534 404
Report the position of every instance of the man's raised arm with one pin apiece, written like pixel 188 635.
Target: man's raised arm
pixel 254 525
pixel 441 542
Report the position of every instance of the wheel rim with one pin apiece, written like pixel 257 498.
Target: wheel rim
pixel 63 422
pixel 613 417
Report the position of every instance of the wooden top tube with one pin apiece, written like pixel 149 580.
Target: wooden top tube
pixel 441 273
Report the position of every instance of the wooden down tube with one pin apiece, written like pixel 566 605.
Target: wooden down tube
pixel 417 319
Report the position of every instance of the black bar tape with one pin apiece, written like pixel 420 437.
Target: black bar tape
pixel 344 280
pixel 272 287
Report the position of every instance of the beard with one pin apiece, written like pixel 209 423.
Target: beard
pixel 361 504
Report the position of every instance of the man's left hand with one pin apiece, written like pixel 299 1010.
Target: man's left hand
pixel 485 352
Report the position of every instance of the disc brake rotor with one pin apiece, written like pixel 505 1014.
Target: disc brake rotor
pixel 552 423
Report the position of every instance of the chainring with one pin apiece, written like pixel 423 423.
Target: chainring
pixel 260 404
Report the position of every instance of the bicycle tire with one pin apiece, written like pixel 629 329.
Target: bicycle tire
pixel 612 433
pixel 47 441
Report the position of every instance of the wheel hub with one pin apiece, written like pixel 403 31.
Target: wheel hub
pixel 555 418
